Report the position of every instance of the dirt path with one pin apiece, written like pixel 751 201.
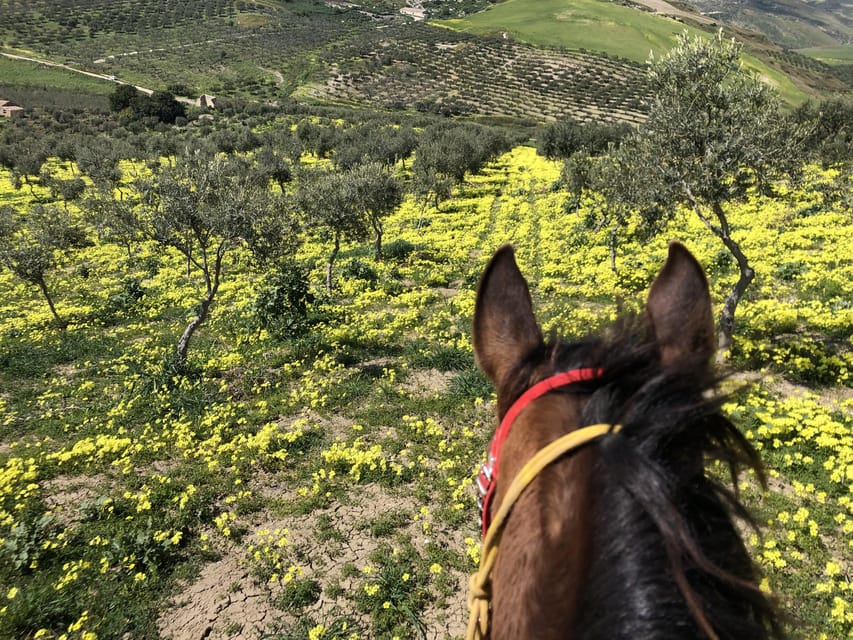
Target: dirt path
pixel 227 601
pixel 664 8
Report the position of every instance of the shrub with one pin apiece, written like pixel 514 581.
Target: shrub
pixel 359 270
pixel 281 306
pixel 398 250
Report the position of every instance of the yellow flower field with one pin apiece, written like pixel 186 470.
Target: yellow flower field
pixel 335 470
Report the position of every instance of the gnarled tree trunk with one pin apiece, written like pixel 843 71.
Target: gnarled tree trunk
pixel 726 324
pixel 204 309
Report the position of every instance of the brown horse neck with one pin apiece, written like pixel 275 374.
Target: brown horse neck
pixel 542 563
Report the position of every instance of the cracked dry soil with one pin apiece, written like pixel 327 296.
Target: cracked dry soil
pixel 226 600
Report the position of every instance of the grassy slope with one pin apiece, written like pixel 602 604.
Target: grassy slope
pixel 22 73
pixel 597 26
pixel 587 24
pixel 831 55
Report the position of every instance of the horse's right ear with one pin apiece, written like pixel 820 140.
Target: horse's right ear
pixel 505 329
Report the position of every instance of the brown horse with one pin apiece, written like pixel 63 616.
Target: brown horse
pixel 626 536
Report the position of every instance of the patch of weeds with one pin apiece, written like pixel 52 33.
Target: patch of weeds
pixel 233 628
pixel 349 570
pixel 394 592
pixel 298 594
pixel 306 628
pixel 398 250
pixel 385 524
pixel 442 358
pixel 302 506
pixel 453 518
pixel 334 590
pixel 326 530
pixel 351 389
pixel 439 559
pixel 249 504
pixel 471 384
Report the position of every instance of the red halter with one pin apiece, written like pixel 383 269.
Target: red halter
pixel 488 476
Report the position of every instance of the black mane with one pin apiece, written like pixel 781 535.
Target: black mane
pixel 667 559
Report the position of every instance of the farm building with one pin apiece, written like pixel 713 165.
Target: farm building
pixel 415 12
pixel 207 101
pixel 9 109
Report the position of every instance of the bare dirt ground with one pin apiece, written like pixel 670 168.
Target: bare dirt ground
pixel 664 8
pixel 227 601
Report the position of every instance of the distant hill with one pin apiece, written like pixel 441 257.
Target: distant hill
pixel 635 28
pixel 528 60
pixel 793 24
pixel 819 29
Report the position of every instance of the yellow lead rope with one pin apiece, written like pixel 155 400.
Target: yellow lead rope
pixel 480 587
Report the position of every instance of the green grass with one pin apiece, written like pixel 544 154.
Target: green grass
pixel 581 24
pixel 831 55
pixel 787 90
pixel 21 73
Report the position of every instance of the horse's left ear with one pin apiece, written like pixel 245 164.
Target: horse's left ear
pixel 505 329
pixel 679 309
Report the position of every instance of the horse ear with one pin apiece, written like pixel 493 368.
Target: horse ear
pixel 679 309
pixel 505 329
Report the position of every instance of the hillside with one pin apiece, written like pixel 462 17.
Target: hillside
pixel 305 469
pixel 510 62
pixel 822 31
pixel 794 24
pixel 292 485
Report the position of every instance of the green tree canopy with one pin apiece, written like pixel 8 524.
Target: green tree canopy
pixel 326 199
pixel 205 207
pixel 714 131
pixel 33 244
pixel 376 192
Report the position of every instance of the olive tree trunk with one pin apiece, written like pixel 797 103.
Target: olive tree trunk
pixel 377 243
pixel 46 293
pixel 212 279
pixel 747 275
pixel 726 324
pixel 331 262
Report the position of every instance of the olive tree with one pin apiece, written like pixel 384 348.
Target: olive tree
pixel 713 132
pixel 327 200
pixel 34 244
pixel 376 192
pixel 205 208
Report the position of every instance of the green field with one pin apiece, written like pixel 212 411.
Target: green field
pixel 596 26
pixel 32 75
pixel 776 79
pixel 831 55
pixel 580 24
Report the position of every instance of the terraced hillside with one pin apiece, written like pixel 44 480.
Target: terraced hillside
pixel 444 71
pixel 496 64
pixel 75 27
pixel 227 47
